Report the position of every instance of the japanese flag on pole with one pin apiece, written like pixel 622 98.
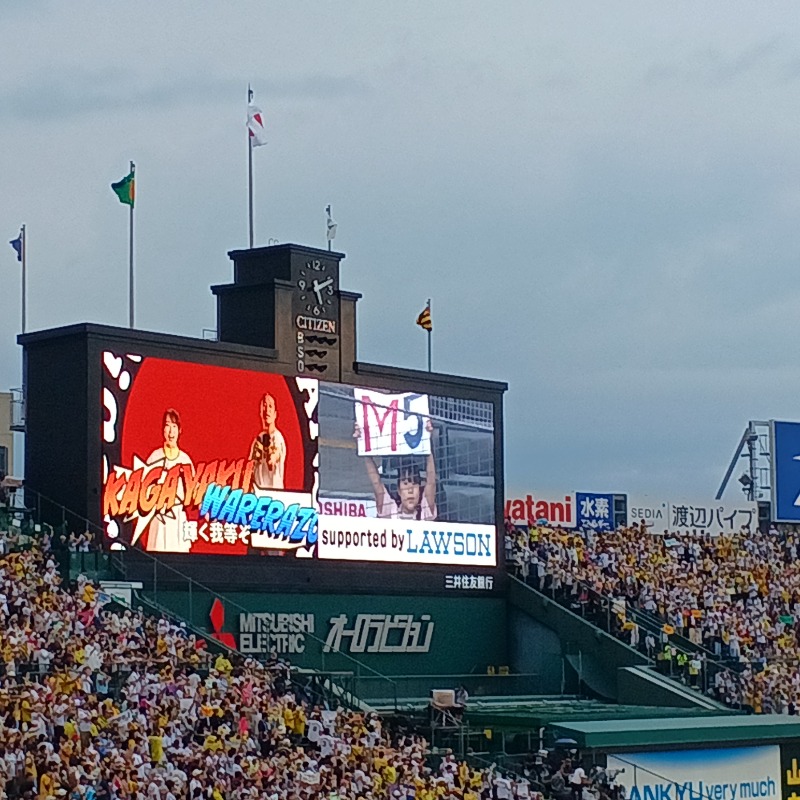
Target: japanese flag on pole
pixel 255 124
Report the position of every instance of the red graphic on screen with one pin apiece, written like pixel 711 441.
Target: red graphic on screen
pixel 187 425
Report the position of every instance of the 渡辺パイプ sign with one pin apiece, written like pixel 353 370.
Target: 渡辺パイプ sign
pixel 687 516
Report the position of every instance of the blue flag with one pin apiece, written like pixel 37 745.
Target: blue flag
pixel 17 245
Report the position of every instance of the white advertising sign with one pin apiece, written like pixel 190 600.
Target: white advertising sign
pixel 685 516
pixel 557 509
pixel 400 541
pixel 737 773
pixel 392 424
pixel 347 507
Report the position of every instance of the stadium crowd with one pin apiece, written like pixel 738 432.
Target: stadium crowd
pixel 101 702
pixel 734 597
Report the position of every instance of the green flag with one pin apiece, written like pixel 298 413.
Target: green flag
pixel 126 189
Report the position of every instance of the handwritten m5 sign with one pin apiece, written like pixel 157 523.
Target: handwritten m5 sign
pixel 392 424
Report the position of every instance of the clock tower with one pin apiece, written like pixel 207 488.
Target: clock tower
pixel 287 298
pixel 315 295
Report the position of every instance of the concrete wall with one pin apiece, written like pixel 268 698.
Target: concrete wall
pixel 534 648
pixel 595 654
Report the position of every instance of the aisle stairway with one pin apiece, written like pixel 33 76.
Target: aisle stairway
pixel 607 666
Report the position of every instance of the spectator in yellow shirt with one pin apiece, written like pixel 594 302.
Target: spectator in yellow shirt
pixel 156 743
pixel 299 723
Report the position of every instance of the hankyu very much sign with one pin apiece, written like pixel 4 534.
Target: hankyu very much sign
pixel 736 773
pixel 785 471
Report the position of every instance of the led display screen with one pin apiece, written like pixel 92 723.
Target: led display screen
pixel 211 459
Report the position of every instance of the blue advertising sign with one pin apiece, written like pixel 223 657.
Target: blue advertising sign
pixel 594 511
pixel 786 471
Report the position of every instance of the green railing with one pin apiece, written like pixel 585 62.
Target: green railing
pixel 479 685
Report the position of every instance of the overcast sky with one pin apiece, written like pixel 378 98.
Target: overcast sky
pixel 602 199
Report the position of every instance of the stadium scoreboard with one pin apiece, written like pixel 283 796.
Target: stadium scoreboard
pixel 273 440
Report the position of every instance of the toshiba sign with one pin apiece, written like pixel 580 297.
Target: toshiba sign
pixel 344 507
pixel 557 511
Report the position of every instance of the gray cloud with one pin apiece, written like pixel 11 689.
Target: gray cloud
pixel 85 92
pixel 715 66
pixel 601 200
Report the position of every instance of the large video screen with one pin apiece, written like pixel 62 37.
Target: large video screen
pixel 219 460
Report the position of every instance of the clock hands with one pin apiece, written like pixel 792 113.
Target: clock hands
pixel 317 288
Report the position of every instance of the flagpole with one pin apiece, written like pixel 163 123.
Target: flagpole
pixel 250 170
pixel 130 258
pixel 430 333
pixel 24 276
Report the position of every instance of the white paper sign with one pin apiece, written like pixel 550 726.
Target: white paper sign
pixel 392 424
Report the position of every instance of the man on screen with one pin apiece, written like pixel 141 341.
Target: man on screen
pixel 165 532
pixel 412 499
pixel 268 451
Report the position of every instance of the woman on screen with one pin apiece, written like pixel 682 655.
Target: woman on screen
pixel 165 532
pixel 413 498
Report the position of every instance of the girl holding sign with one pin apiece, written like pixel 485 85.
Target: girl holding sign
pixel 412 499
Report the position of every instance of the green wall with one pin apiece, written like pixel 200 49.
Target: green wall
pixel 403 635
pixel 599 654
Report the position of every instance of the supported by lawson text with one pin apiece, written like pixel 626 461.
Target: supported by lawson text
pixel 428 542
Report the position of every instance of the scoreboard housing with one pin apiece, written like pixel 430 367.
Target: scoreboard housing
pixel 347 438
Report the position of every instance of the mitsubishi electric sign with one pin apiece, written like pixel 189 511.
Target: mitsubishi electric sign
pixel 785 471
pixel 737 773
pixel 423 635
pixel 262 633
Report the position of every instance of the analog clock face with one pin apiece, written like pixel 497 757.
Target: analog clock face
pixel 315 288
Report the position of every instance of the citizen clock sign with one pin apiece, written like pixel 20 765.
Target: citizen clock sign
pixel 315 312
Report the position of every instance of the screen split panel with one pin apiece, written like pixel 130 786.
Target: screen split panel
pixel 220 460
